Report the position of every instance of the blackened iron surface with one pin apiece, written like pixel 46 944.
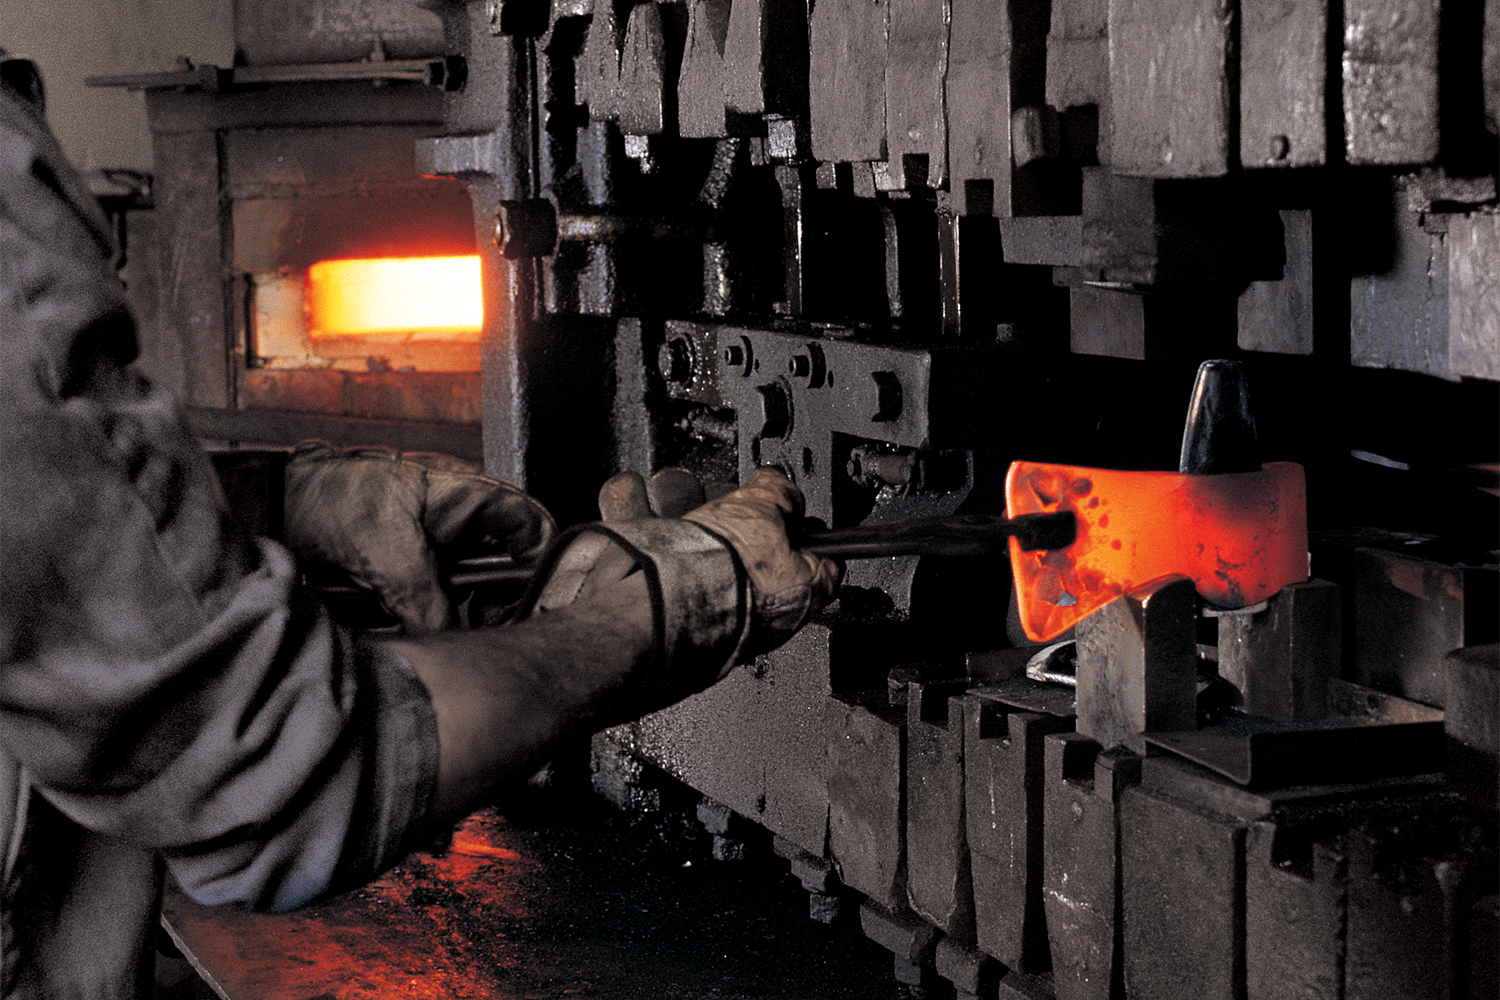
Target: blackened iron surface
pixel 588 904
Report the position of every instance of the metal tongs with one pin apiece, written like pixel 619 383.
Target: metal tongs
pixel 954 535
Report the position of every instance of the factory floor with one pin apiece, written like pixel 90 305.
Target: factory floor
pixel 561 896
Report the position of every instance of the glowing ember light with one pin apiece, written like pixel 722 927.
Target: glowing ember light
pixel 430 298
pixel 1240 537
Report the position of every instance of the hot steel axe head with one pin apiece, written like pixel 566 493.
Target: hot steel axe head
pixel 1240 537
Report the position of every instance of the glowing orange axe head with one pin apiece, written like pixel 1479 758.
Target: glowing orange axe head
pixel 1240 537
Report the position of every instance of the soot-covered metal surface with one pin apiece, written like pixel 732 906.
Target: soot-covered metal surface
pixel 575 902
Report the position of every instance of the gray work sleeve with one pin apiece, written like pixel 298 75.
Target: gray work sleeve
pixel 162 679
pixel 700 596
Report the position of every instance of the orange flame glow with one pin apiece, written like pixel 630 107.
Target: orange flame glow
pixel 432 298
pixel 1240 537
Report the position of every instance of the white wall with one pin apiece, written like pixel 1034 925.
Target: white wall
pixel 74 39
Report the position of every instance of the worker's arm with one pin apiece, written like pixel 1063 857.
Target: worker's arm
pixel 627 617
pixel 166 683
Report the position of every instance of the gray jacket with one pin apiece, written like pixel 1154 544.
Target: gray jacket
pixel 168 699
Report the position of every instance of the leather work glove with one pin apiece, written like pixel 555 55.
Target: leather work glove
pixel 670 493
pixel 788 586
pixel 384 517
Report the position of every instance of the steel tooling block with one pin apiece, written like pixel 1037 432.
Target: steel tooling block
pixel 1003 804
pixel 939 881
pixel 1296 885
pixel 1472 723
pixel 1183 899
pixel 1415 875
pixel 866 804
pixel 755 741
pixel 1281 656
pixel 1137 665
pixel 909 938
pixel 1254 883
pixel 1410 613
pixel 1081 863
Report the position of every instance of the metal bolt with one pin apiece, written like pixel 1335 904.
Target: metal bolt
pixel 869 467
pixel 810 364
pixel 740 356
pixel 526 228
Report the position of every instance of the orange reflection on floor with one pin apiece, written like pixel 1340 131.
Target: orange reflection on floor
pixel 437 298
pixel 432 929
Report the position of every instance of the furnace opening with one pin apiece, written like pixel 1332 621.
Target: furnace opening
pixel 421 314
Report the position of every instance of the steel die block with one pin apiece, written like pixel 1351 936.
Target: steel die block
pixel 754 741
pixel 1277 314
pixel 939 882
pixel 1080 877
pixel 1410 613
pixel 1137 665
pixel 645 106
pixel 972 973
pixel 1471 723
pixel 916 112
pixel 978 99
pixel 1281 657
pixel 794 696
pixel 765 57
pixel 1295 912
pixel 1169 65
pixel 1397 934
pixel 1391 80
pixel 1283 83
pixel 1415 876
pixel 1399 306
pixel 866 802
pixel 1015 985
pixel 700 81
pixel 1473 284
pixel 1183 899
pixel 846 77
pixel 1484 949
pixel 1003 805
pixel 711 742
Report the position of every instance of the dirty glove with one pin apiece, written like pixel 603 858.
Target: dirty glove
pixel 670 493
pixel 383 517
pixel 787 586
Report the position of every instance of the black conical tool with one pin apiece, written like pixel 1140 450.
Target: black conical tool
pixel 1220 432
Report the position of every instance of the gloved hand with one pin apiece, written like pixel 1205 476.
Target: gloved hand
pixel 788 586
pixel 382 517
